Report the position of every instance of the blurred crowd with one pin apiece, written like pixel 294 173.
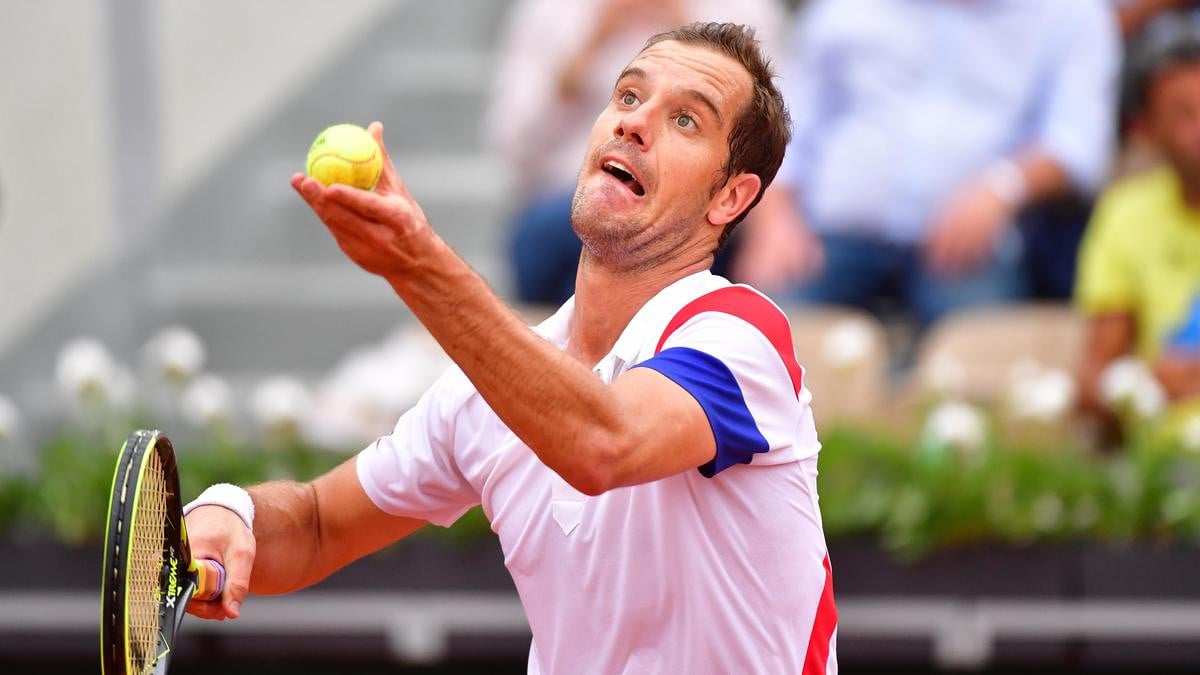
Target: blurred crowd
pixel 947 155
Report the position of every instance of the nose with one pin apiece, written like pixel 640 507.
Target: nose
pixel 634 126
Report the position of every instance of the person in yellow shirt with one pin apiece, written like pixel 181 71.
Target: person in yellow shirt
pixel 1139 267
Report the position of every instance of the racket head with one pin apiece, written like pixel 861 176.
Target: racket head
pixel 149 574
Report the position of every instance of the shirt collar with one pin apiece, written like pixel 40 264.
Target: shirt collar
pixel 651 317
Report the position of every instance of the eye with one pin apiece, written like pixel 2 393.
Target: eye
pixel 685 121
pixel 628 98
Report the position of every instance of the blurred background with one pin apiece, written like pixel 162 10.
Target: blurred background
pixel 986 233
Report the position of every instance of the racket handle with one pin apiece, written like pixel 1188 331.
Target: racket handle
pixel 210 580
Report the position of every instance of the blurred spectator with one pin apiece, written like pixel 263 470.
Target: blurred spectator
pixel 1140 16
pixel 923 127
pixel 1148 25
pixel 559 62
pixel 1139 269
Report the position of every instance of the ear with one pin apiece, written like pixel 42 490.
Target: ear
pixel 729 202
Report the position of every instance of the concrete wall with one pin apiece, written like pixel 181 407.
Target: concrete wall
pixel 55 188
pixel 227 62
pixel 218 67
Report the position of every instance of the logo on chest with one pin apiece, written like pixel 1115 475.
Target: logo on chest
pixel 566 505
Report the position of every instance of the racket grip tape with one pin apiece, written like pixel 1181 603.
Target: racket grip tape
pixel 210 580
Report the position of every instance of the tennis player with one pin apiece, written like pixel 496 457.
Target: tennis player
pixel 647 455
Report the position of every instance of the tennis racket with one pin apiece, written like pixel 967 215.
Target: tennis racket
pixel 149 573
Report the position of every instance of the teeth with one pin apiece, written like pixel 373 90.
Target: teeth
pixel 619 166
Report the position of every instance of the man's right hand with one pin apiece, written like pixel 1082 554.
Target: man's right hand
pixel 216 533
pixel 964 235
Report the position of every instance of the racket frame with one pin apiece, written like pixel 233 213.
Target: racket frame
pixel 178 573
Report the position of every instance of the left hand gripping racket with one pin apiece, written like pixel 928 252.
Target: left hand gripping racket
pixel 149 573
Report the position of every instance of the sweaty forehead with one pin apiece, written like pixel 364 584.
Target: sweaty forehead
pixel 698 67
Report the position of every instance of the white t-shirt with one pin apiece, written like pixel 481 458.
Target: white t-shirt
pixel 722 569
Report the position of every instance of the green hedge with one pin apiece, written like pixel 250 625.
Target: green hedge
pixel 914 497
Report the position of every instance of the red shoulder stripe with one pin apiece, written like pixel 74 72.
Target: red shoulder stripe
pixel 753 308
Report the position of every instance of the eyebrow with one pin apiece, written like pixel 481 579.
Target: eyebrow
pixel 692 94
pixel 632 71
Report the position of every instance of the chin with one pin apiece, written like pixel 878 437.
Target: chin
pixel 607 236
pixel 592 223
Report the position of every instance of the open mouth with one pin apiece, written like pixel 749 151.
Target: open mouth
pixel 623 174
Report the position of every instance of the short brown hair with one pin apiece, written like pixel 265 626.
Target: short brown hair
pixel 761 133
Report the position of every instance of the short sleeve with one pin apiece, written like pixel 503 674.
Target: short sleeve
pixel 412 472
pixel 745 379
pixel 1106 280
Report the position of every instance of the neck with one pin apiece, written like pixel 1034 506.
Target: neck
pixel 607 299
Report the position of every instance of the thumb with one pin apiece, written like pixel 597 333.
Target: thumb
pixel 389 181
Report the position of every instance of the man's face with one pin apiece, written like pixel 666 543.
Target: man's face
pixel 1173 115
pixel 656 153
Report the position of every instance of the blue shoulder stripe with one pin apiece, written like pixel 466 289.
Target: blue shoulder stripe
pixel 713 385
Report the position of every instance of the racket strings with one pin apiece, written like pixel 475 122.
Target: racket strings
pixel 145 568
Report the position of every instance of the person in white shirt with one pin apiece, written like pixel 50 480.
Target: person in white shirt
pixel 647 456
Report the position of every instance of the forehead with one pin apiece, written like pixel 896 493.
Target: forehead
pixel 696 67
pixel 1180 75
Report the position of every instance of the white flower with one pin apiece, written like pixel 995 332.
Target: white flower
pixel 281 402
pixel 122 391
pixel 945 376
pixel 1044 396
pixel 10 418
pixel 373 386
pixel 85 369
pixel 175 352
pixel 1149 399
pixel 341 420
pixel 956 424
pixel 1120 380
pixel 1189 434
pixel 847 344
pixel 1047 512
pixel 413 361
pixel 208 400
pixel 1129 383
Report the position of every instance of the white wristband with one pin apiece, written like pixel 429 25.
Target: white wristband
pixel 228 496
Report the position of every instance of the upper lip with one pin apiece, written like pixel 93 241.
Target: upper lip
pixel 624 165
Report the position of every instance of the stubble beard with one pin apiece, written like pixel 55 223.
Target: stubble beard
pixel 626 246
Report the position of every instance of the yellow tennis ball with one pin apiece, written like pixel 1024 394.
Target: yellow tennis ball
pixel 345 153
